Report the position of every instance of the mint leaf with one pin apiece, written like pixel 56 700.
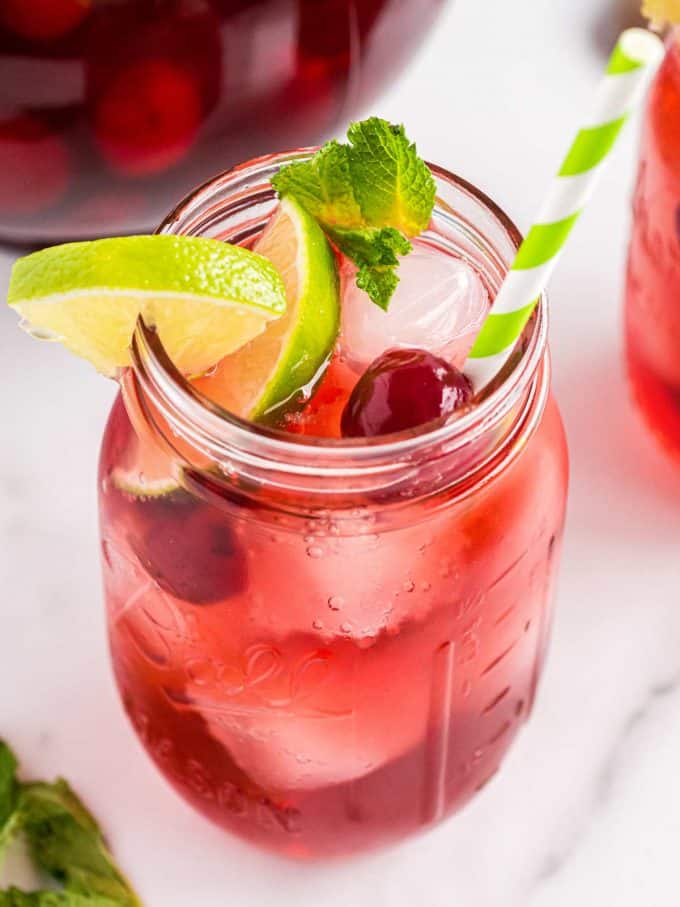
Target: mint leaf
pixel 379 283
pixel 8 797
pixel 14 897
pixel 66 842
pixel 368 196
pixel 392 185
pixel 323 185
pixel 375 251
pixel 8 783
pixel 370 245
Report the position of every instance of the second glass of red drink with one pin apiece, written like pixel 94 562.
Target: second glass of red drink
pixel 652 312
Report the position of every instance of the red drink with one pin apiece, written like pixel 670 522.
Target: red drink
pixel 112 110
pixel 653 286
pixel 326 647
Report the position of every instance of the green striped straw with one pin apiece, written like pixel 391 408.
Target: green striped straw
pixel 635 57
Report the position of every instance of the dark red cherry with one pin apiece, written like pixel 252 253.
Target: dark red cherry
pixel 148 117
pixel 188 548
pixel 403 389
pixel 35 166
pixel 43 20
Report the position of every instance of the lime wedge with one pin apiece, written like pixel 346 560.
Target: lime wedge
pixel 291 354
pixel 205 297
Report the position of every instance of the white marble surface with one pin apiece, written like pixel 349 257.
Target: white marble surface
pixel 587 810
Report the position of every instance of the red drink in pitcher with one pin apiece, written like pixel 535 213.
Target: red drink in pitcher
pixel 327 641
pixel 111 110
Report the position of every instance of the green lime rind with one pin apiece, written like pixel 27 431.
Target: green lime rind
pixel 182 265
pixel 205 297
pixel 129 483
pixel 315 323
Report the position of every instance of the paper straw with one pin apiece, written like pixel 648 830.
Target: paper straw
pixel 634 58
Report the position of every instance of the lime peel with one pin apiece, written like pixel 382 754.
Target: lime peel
pixel 268 374
pixel 132 483
pixel 205 297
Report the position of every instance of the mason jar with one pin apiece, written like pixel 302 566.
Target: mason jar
pixel 326 646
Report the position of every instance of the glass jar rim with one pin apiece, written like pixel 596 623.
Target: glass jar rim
pixel 157 374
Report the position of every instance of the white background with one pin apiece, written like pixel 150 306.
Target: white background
pixel 587 809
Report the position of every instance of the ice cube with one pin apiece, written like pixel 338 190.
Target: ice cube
pixel 298 727
pixel 439 306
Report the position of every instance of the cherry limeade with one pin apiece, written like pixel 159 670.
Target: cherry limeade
pixel 326 661
pixel 653 286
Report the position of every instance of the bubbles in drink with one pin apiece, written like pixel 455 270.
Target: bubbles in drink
pixel 439 306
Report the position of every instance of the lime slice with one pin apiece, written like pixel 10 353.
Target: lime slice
pixel 205 297
pixel 291 354
pixel 148 471
pixel 138 485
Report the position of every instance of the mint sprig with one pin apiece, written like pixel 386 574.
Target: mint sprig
pixel 64 840
pixel 370 196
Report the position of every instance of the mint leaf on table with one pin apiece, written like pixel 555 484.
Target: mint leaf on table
pixel 8 797
pixel 8 782
pixel 66 842
pixel 14 897
pixel 369 196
